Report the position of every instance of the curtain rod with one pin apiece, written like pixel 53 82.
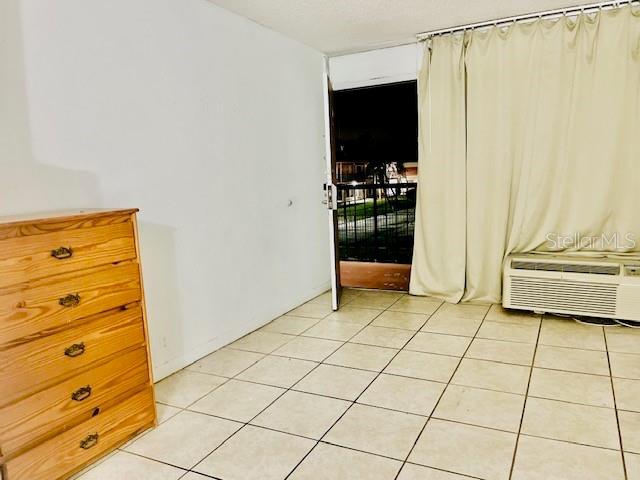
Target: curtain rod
pixel 559 12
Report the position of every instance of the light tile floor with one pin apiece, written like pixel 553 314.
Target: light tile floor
pixel 399 387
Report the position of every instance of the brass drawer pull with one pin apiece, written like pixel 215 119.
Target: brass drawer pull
pixel 70 300
pixel 89 441
pixel 62 252
pixel 74 350
pixel 81 394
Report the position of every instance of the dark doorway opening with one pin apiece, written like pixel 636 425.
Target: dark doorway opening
pixel 376 139
pixel 374 126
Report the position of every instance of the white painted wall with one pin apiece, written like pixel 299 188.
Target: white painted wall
pixel 376 67
pixel 209 123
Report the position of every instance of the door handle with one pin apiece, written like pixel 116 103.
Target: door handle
pixel 89 441
pixel 75 350
pixel 331 196
pixel 62 252
pixel 81 394
pixel 70 300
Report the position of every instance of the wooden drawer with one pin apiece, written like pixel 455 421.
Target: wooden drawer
pixel 43 306
pixel 27 258
pixel 33 366
pixel 70 451
pixel 71 402
pixel 14 226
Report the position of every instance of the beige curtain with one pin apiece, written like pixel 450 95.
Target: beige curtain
pixel 439 242
pixel 544 149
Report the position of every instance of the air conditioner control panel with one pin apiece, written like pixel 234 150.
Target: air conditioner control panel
pixel 632 270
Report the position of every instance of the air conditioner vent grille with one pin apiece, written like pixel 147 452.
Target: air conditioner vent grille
pixel 554 295
pixel 566 267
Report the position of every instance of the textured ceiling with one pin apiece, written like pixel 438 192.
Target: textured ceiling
pixel 341 26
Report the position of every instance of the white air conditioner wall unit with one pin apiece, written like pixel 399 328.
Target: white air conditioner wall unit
pixel 571 285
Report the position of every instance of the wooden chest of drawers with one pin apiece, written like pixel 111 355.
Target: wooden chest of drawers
pixel 75 371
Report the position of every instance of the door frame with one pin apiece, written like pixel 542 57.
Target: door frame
pixel 351 273
pixel 330 188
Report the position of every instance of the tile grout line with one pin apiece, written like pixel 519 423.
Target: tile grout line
pixel 417 378
pixel 276 399
pixel 408 376
pixel 301 334
pixel 362 326
pixel 375 406
pixel 369 324
pixel 378 374
pixel 569 402
pixel 353 402
pixel 524 406
pixel 615 406
pixel 183 409
pixel 571 442
pixel 406 460
pixel 438 354
pixel 480 337
pixel 458 422
pixel 590 350
pixel 256 330
pixel 244 424
pixel 391 375
pixel 326 442
pixel 186 470
pixel 450 472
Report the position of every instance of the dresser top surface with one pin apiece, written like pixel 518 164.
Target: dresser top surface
pixel 57 215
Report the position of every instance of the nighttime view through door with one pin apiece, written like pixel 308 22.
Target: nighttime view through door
pixel 376 130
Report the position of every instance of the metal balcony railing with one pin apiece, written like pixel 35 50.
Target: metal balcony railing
pixel 376 222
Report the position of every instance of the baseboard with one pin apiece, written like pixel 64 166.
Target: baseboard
pixel 202 350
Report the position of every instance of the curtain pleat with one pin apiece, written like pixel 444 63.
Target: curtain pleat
pixel 548 153
pixel 439 242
